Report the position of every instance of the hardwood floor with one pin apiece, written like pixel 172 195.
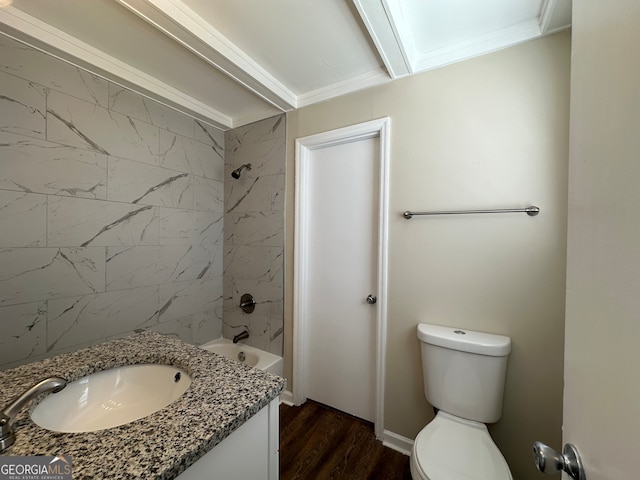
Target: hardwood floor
pixel 319 442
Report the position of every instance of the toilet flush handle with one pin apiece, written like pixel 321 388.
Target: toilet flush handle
pixel 549 461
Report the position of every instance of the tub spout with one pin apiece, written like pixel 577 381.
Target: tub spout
pixel 9 413
pixel 241 336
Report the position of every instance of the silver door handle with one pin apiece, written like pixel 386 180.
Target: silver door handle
pixel 549 461
pixel 371 299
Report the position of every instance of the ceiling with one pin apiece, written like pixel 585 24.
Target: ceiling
pixel 233 62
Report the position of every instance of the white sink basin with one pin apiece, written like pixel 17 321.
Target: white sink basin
pixel 110 398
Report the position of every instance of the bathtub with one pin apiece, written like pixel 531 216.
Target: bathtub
pixel 244 353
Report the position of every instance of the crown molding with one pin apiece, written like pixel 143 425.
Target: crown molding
pixel 393 40
pixel 555 16
pixel 383 31
pixel 186 27
pixel 370 79
pixel 29 30
pixel 483 45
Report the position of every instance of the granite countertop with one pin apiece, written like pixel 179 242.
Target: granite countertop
pixel 222 396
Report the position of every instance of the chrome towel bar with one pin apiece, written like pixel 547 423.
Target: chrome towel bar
pixel 532 211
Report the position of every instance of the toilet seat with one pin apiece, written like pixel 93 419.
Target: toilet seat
pixel 452 448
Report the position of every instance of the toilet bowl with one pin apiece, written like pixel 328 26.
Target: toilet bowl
pixel 464 374
pixel 452 448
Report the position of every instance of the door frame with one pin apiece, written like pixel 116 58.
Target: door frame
pixel 380 129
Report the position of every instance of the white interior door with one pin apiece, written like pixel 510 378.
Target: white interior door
pixel 343 211
pixel 602 354
pixel 341 223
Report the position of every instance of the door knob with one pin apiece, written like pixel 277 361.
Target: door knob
pixel 549 461
pixel 371 299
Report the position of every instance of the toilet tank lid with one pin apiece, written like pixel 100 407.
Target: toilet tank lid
pixel 465 340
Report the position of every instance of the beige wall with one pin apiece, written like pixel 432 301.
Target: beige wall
pixel 490 132
pixel 602 387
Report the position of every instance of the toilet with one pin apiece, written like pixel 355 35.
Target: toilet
pixel 464 374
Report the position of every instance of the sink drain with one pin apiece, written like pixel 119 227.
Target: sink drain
pixel 242 357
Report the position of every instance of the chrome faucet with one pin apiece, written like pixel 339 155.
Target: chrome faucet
pixel 241 336
pixel 9 413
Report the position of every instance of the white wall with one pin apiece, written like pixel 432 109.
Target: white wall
pixel 110 212
pixel 486 133
pixel 254 232
pixel 602 387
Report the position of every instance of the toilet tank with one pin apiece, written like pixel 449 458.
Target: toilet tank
pixel 464 371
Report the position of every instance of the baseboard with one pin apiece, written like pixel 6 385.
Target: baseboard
pixel 286 397
pixel 397 442
pixel 389 439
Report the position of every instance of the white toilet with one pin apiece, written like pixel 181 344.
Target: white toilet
pixel 464 374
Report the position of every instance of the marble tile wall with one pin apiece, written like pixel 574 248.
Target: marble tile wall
pixel 111 212
pixel 254 232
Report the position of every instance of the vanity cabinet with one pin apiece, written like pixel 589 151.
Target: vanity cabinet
pixel 249 453
pixel 222 394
